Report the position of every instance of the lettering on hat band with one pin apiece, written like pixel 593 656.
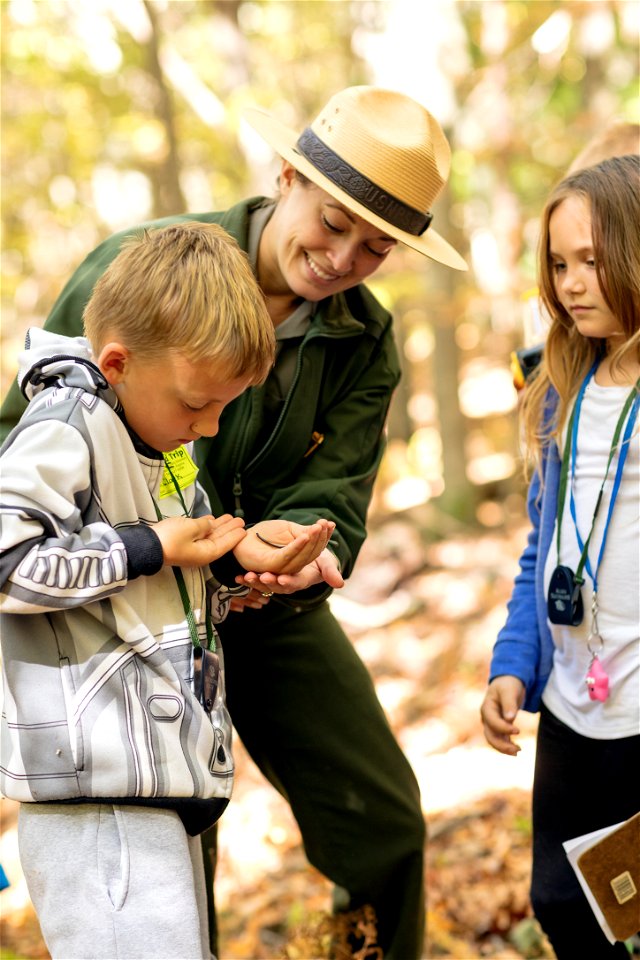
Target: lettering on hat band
pixel 360 188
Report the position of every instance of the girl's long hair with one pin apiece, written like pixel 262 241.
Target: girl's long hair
pixel 612 190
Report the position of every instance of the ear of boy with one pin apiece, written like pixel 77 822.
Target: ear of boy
pixel 113 361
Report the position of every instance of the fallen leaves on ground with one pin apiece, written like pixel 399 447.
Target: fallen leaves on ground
pixel 424 618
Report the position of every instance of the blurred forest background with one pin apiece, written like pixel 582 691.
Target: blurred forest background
pixel 119 111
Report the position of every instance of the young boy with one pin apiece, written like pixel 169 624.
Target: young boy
pixel 116 737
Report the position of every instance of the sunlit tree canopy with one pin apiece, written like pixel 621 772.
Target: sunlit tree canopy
pixel 118 111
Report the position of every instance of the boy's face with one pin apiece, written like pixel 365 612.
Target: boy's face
pixel 170 400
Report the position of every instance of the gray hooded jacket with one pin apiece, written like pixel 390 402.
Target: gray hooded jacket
pixel 97 654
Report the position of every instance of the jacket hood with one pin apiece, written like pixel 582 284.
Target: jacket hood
pixel 50 359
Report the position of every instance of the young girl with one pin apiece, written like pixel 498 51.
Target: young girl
pixel 570 644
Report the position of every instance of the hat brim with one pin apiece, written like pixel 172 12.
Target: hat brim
pixel 283 140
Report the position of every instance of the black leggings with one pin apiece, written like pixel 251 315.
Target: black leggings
pixel 580 785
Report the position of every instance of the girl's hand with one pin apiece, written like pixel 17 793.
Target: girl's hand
pixel 296 546
pixel 197 541
pixel 503 699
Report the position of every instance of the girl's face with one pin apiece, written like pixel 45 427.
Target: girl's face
pixel 573 268
pixel 313 246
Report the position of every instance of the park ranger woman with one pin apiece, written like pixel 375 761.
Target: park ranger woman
pixel 357 181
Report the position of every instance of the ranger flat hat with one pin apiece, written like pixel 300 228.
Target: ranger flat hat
pixel 381 154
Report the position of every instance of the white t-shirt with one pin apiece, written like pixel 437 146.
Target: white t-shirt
pixel 566 693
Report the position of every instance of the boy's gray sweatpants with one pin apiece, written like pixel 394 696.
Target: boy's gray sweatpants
pixel 110 882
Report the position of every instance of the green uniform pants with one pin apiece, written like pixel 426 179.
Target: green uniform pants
pixel 305 708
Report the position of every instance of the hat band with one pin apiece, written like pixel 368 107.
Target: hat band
pixel 360 188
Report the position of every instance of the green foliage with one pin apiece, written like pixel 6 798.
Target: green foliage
pixel 118 112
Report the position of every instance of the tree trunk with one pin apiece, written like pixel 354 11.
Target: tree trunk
pixel 168 198
pixel 445 293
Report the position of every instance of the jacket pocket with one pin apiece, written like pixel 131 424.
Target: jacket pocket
pixel 74 726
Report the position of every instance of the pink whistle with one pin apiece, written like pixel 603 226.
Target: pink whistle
pixel 597 681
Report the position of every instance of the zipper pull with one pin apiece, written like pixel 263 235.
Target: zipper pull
pixel 316 439
pixel 237 492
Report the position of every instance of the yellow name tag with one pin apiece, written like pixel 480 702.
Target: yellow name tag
pixel 183 469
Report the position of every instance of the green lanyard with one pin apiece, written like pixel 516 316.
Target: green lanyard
pixel 182 587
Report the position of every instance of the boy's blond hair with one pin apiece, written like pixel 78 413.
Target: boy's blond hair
pixel 189 287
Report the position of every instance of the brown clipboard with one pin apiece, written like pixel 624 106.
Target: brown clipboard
pixel 611 868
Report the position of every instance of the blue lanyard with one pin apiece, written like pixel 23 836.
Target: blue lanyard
pixel 631 406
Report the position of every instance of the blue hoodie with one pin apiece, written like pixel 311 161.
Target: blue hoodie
pixel 524 647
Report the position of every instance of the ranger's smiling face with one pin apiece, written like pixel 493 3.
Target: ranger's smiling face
pixel 314 246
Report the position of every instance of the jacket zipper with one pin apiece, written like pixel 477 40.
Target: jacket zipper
pixel 237 493
pixel 237 478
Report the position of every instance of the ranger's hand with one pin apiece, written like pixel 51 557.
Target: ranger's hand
pixel 282 546
pixel 324 569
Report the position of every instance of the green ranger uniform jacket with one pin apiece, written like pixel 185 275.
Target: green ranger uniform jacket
pixel 319 455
